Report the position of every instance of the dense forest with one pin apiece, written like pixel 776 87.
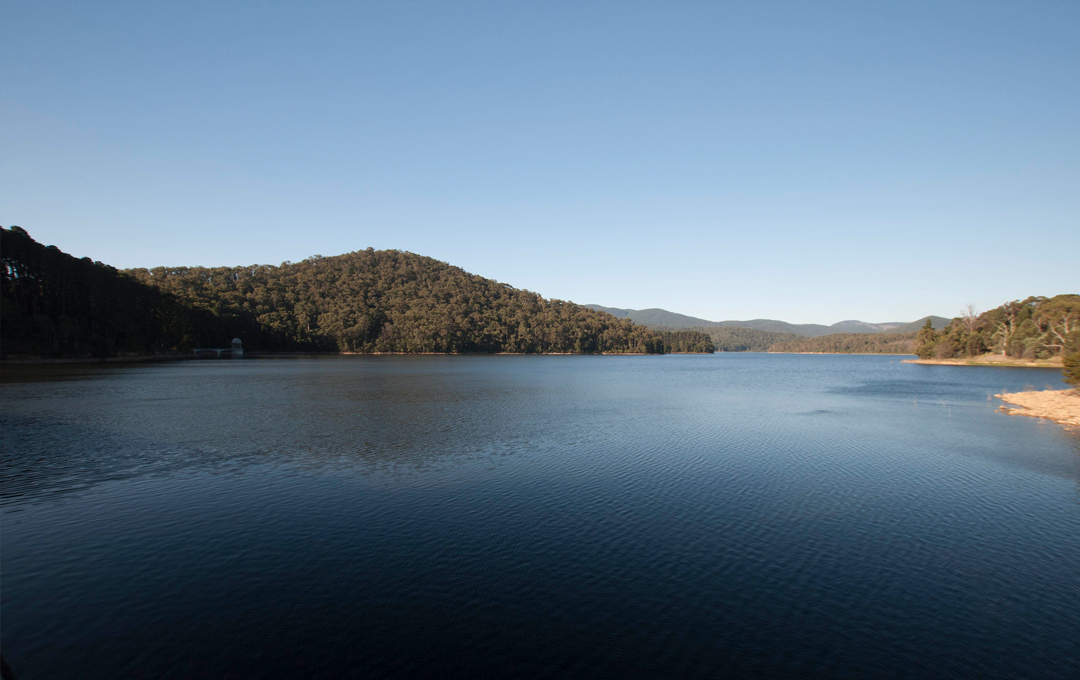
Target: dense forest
pixel 366 301
pixel 53 304
pixel 851 343
pixel 734 339
pixel 1035 328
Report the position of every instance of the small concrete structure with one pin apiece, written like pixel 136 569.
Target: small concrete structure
pixel 236 351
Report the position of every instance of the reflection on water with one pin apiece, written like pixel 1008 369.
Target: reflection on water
pixel 757 515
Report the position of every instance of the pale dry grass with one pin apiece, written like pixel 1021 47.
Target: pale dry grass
pixel 990 360
pixel 1061 406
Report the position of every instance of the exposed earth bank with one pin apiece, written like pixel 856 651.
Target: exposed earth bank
pixel 990 360
pixel 1061 406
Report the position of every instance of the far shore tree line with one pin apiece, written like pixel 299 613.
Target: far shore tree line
pixel 850 343
pixel 1037 328
pixel 54 304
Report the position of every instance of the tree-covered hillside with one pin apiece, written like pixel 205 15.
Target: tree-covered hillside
pixel 735 339
pixel 1035 328
pixel 936 322
pixel 367 301
pixel 57 305
pixel 850 343
pixel 655 318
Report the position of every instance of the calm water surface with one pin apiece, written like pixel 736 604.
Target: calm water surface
pixel 684 516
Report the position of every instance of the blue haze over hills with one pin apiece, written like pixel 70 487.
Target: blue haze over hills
pixel 664 318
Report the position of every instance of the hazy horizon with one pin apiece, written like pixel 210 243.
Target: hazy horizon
pixel 807 163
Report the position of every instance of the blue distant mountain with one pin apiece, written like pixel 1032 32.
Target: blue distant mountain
pixel 664 318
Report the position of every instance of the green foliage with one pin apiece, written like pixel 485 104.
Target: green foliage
pixel 734 339
pixel 1071 369
pixel 1035 328
pixel 850 343
pixel 976 345
pixel 367 301
pixel 1071 359
pixel 926 341
pixel 392 301
pixel 686 342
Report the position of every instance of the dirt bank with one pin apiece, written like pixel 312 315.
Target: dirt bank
pixel 1061 406
pixel 990 360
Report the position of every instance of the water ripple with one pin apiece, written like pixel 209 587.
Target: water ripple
pixel 726 516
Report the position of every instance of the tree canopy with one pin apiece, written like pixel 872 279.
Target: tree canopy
pixel 850 343
pixel 57 305
pixel 1035 328
pixel 365 301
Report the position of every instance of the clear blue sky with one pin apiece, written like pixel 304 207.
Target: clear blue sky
pixel 804 161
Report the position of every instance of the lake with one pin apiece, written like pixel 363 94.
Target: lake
pixel 733 515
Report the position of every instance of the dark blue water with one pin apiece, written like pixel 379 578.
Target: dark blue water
pixel 682 516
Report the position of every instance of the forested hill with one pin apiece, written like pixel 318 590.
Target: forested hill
pixel 366 301
pixel 1035 328
pixel 850 343
pixel 735 339
pixel 53 304
pixel 936 322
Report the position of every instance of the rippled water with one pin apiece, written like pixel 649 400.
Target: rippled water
pixel 682 516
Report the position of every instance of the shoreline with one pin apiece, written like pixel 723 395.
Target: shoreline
pixel 1060 406
pixel 153 358
pixel 126 359
pixel 989 360
pixel 835 354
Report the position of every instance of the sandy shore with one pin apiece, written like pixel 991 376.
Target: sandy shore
pixel 989 360
pixel 1061 406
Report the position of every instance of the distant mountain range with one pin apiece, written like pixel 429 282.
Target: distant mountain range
pixel 663 318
